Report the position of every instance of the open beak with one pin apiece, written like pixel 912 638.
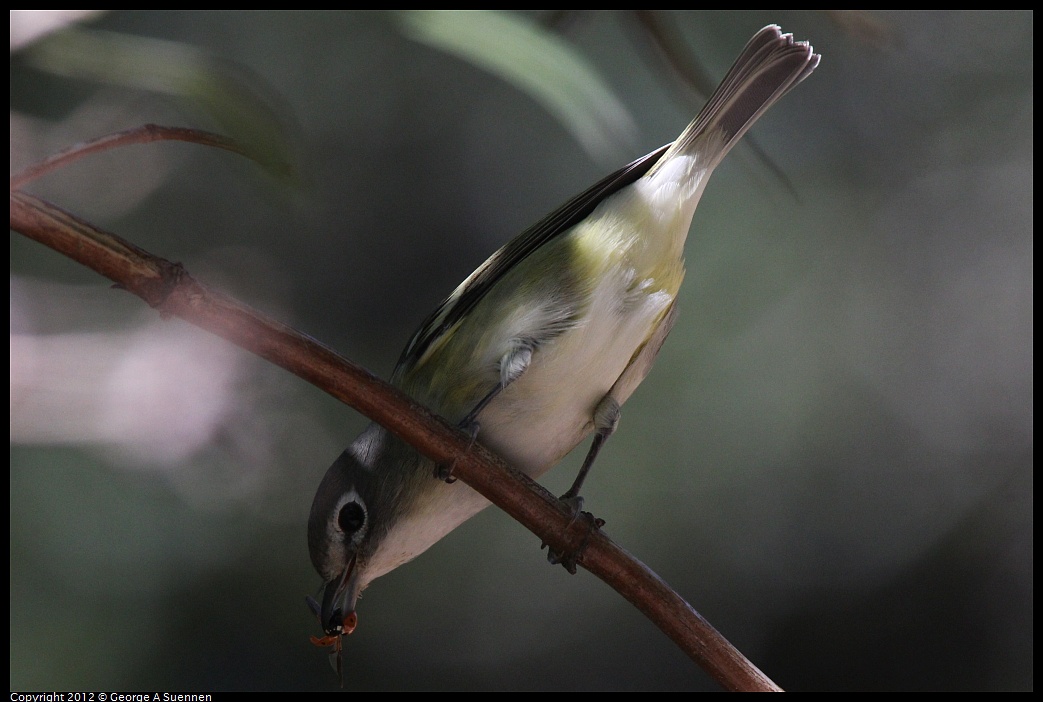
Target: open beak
pixel 336 613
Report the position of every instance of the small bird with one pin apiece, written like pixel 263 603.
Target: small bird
pixel 540 346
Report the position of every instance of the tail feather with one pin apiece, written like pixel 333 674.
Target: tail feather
pixel 770 65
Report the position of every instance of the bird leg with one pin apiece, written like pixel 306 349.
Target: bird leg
pixel 606 419
pixel 513 364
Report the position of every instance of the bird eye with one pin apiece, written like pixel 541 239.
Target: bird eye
pixel 351 517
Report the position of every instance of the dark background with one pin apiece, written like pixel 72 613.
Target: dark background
pixel 832 460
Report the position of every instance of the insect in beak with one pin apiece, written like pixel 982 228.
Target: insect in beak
pixel 334 634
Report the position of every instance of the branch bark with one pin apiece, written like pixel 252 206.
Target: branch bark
pixel 169 288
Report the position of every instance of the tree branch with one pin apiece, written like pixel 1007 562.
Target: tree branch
pixel 169 288
pixel 137 135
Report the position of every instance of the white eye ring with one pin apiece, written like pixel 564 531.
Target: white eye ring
pixel 350 517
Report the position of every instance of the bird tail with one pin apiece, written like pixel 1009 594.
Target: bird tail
pixel 769 67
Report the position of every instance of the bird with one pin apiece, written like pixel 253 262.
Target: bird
pixel 540 346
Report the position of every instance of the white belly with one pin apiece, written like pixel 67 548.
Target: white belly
pixel 546 412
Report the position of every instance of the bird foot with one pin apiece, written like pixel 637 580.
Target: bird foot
pixel 570 559
pixel 444 472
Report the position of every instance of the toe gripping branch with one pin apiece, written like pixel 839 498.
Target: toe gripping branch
pixel 577 533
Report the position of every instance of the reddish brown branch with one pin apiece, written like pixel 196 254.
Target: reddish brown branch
pixel 169 288
pixel 144 134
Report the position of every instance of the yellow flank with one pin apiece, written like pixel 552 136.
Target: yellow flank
pixel 631 229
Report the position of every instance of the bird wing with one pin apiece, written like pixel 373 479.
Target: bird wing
pixel 478 284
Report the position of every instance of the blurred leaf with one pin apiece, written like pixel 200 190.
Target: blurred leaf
pixel 226 92
pixel 536 62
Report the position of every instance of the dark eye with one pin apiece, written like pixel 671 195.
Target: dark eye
pixel 351 518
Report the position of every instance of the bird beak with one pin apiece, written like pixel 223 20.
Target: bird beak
pixel 337 611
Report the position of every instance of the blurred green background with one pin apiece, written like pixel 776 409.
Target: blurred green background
pixel 832 460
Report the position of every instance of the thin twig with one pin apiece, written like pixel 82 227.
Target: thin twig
pixel 144 134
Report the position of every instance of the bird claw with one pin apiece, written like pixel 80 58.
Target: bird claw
pixel 556 558
pixel 445 472
pixel 569 561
